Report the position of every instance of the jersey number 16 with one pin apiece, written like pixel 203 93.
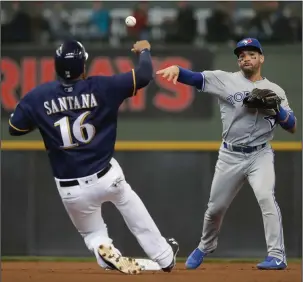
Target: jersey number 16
pixel 82 132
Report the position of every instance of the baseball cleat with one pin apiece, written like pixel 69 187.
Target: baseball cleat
pixel 195 259
pixel 116 261
pixel 175 246
pixel 272 263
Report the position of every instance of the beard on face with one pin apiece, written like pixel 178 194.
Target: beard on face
pixel 250 70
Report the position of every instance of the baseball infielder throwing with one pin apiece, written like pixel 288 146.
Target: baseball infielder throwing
pixel 248 121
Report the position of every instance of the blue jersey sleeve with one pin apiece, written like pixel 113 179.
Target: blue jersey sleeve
pixel 21 122
pixel 189 77
pixel 122 86
pixel 116 88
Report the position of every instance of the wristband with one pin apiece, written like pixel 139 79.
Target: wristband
pixel 286 119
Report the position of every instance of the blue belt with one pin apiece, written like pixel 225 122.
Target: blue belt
pixel 244 149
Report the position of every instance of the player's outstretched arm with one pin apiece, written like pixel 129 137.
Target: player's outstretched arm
pixel 287 120
pixel 143 72
pixel 185 76
pixel 124 85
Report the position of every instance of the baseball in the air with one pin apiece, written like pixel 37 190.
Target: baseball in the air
pixel 130 21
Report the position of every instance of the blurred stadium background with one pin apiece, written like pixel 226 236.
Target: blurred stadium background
pixel 168 136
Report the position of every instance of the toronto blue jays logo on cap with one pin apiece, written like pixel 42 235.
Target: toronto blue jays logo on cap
pixel 246 41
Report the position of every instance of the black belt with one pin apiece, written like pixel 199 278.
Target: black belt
pixel 70 183
pixel 244 149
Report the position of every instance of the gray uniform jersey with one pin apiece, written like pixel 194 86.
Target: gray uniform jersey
pixel 241 126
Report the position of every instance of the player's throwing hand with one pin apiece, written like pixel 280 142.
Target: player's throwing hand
pixel 171 73
pixel 140 46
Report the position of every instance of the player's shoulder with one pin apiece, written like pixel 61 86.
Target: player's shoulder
pixel 40 91
pixel 47 86
pixel 217 73
pixel 102 78
pixel 102 81
pixel 275 87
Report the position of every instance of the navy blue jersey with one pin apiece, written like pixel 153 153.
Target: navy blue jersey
pixel 78 122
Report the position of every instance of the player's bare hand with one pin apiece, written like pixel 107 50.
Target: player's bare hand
pixel 170 73
pixel 140 45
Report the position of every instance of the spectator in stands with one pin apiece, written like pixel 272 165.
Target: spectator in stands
pixel 58 21
pixel 100 21
pixel 183 29
pixel 40 28
pixel 220 25
pixel 288 26
pixel 141 30
pixel 19 28
pixel 261 26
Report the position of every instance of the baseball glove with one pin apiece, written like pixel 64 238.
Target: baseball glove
pixel 262 99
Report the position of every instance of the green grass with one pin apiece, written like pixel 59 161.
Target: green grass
pixel 92 259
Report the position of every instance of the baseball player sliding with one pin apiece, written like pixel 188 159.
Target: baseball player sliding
pixel 77 118
pixel 251 107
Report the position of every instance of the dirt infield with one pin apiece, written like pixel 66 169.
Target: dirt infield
pixel 89 271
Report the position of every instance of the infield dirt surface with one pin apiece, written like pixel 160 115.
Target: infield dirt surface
pixel 91 272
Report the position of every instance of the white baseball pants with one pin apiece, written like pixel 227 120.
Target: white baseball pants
pixel 83 205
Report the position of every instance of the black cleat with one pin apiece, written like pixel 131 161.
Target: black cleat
pixel 175 246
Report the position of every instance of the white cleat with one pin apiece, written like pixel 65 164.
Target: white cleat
pixel 116 261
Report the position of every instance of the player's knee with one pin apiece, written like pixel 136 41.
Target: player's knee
pixel 215 211
pixel 265 200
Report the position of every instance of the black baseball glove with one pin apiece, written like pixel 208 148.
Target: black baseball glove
pixel 262 99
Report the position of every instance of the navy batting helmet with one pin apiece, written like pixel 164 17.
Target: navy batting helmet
pixel 248 43
pixel 70 59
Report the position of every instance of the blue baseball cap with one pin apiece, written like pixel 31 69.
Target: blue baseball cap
pixel 248 43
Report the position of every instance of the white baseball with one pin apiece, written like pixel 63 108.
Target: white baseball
pixel 130 21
